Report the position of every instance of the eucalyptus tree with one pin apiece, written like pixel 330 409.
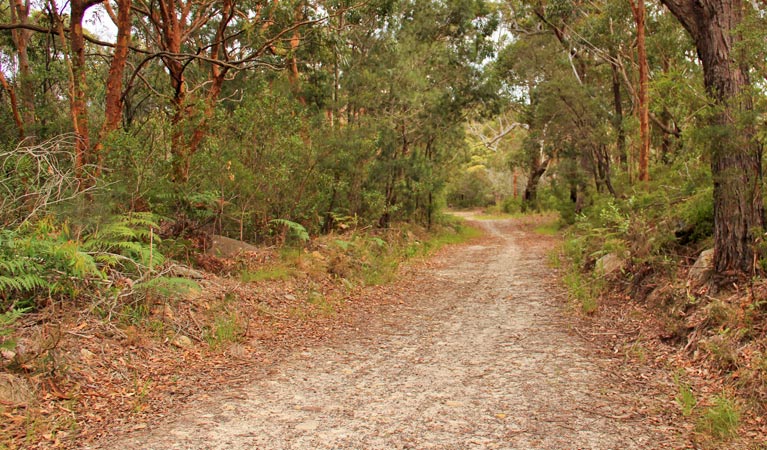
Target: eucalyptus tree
pixel 552 62
pixel 20 12
pixel 203 45
pixel 736 154
pixel 417 76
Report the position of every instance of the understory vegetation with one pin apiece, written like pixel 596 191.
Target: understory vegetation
pixel 712 339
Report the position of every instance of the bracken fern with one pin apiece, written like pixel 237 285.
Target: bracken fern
pixel 127 243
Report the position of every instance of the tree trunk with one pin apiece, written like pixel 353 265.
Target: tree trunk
pixel 78 105
pixel 173 22
pixel 20 14
pixel 638 9
pixel 114 106
pixel 217 77
pixel 736 156
pixel 295 42
pixel 530 197
pixel 604 169
pixel 170 26
pixel 620 142
pixel 14 104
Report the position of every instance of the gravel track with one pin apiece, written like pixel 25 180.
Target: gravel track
pixel 480 357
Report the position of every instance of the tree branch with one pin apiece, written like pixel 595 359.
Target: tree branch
pixel 684 11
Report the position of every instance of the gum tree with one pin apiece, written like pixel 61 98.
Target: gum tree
pixel 736 156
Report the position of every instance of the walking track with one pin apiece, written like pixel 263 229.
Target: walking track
pixel 482 357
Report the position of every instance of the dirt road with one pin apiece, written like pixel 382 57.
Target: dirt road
pixel 481 357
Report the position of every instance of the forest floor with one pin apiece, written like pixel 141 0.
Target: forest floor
pixel 474 348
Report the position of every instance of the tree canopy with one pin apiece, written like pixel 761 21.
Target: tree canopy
pixel 228 115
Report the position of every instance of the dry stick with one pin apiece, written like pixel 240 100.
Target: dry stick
pixel 581 335
pixel 151 248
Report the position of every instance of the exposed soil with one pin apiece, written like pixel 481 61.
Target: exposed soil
pixel 478 352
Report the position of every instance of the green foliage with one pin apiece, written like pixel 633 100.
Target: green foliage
pixel 511 205
pixel 368 136
pixel 126 242
pixel 605 223
pixel 135 313
pixel 266 274
pixel 41 260
pixel 7 321
pixel 650 225
pixel 685 396
pixel 472 189
pixel 378 241
pixel 374 260
pixel 575 250
pixel 226 329
pixel 167 287
pixel 294 229
pixel 46 259
pixel 344 245
pixel 551 228
pixel 452 233
pixel 584 290
pixel 722 419
pixel 697 215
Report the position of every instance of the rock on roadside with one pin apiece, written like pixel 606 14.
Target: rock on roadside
pixel 702 270
pixel 224 247
pixel 609 264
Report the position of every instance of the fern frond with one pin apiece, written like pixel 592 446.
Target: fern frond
pixel 17 265
pixel 106 259
pixel 113 231
pixel 296 229
pixel 23 283
pixel 145 220
pixel 7 321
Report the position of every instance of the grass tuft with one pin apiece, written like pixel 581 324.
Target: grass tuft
pixel 685 396
pixel 584 290
pixel 226 329
pixel 266 274
pixel 722 419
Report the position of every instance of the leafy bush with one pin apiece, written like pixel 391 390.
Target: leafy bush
pixel 42 260
pixel 48 259
pixel 512 205
pixel 472 189
pixel 696 217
